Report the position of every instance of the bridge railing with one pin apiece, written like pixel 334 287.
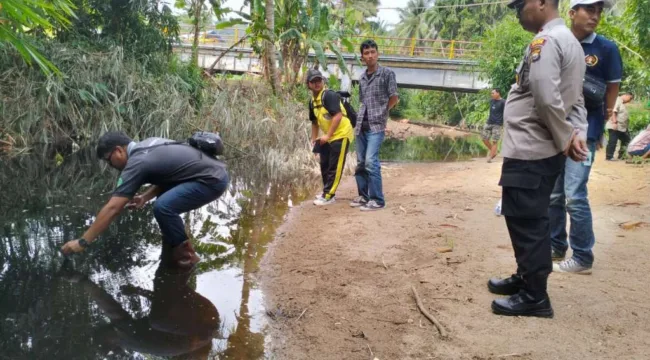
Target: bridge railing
pixel 407 47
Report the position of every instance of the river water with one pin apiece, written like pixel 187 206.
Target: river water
pixel 113 301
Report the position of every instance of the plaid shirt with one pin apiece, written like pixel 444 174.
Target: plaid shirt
pixel 374 93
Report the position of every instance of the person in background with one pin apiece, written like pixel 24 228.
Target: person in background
pixel 604 70
pixel 640 145
pixel 544 121
pixel 183 179
pixel 494 126
pixel 377 95
pixel 328 114
pixel 617 127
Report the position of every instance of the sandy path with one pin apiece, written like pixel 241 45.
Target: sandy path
pixel 329 262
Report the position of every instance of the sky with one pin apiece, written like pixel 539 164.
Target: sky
pixel 387 15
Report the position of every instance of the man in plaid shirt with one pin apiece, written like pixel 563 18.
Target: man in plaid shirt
pixel 378 94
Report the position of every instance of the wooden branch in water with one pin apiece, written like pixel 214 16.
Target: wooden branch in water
pixel 424 312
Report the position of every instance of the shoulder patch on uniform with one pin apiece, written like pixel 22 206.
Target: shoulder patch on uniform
pixel 539 42
pixel 535 54
pixel 536 49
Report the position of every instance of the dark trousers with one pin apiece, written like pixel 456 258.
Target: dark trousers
pixel 527 187
pixel 614 137
pixel 332 163
pixel 180 199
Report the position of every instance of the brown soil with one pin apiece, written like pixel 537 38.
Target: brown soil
pixel 349 274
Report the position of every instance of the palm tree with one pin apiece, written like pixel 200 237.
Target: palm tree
pixel 414 22
pixel 270 48
pixel 17 17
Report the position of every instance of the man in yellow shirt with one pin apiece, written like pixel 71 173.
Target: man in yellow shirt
pixel 327 114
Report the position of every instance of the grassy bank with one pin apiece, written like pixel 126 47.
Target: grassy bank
pixel 101 91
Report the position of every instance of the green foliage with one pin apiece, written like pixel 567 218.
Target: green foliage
pixel 402 107
pixel 101 90
pixel 302 27
pixel 639 119
pixel 464 23
pixel 19 17
pixel 415 20
pixel 502 50
pixel 636 74
pixel 141 28
pixel 639 13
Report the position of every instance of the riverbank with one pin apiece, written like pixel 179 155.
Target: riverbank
pixel 338 281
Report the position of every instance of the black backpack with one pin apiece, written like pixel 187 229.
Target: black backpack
pixel 210 143
pixel 345 99
pixel 207 142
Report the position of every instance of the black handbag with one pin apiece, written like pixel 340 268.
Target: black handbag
pixel 594 91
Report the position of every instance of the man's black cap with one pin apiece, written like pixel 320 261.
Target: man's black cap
pixel 109 141
pixel 313 74
pixel 511 5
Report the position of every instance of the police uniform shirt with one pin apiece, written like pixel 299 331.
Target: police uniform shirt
pixel 603 62
pixel 546 105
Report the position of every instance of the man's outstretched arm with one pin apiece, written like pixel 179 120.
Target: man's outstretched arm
pixel 104 218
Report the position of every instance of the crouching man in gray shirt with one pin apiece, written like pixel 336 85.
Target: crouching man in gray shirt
pixel 183 179
pixel 545 121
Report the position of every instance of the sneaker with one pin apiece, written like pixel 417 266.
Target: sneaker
pixel 571 266
pixel 359 201
pixel 557 256
pixel 371 206
pixel 319 196
pixel 322 201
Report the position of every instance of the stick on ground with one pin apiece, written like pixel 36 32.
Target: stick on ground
pixel 303 313
pixel 424 312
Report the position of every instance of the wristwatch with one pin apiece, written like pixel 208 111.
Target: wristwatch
pixel 83 243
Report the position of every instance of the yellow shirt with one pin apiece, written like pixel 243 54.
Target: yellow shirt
pixel 322 115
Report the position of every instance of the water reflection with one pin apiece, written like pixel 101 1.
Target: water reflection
pixel 440 148
pixel 43 314
pixel 180 320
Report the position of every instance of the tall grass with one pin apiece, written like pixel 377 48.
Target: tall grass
pixel 103 91
pixel 260 129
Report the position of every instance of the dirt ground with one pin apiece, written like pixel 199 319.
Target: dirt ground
pixel 338 281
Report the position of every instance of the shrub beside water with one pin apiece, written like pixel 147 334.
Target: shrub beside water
pixel 103 91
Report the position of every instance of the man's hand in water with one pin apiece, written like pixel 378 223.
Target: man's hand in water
pixel 137 202
pixel 72 247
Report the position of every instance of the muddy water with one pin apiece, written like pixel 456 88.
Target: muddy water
pixel 439 148
pixel 114 301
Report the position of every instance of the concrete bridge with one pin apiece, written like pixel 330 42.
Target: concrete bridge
pixel 411 72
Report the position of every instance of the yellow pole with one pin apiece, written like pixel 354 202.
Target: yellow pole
pixel 234 41
pixel 412 46
pixel 451 49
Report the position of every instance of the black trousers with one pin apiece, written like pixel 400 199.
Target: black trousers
pixel 527 187
pixel 614 137
pixel 332 163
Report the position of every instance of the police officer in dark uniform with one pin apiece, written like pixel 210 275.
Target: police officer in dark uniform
pixel 545 120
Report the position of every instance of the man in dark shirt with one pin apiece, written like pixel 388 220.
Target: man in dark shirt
pixel 183 179
pixel 494 126
pixel 604 66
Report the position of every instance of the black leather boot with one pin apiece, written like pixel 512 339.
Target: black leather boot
pixel 522 304
pixel 508 286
